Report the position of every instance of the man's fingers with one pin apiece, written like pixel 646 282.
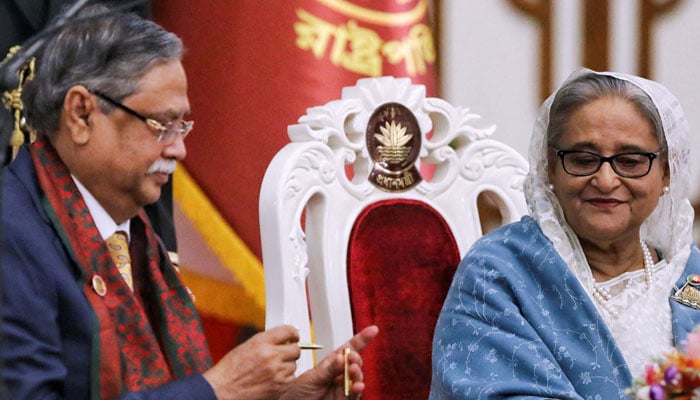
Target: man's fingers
pixel 365 337
pixel 291 352
pixel 336 361
pixel 282 334
pixel 333 367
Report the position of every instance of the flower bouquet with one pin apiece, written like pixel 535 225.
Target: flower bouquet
pixel 677 376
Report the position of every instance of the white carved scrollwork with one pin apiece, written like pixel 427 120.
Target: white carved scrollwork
pixel 341 125
pixel 491 155
pixel 300 269
pixel 309 165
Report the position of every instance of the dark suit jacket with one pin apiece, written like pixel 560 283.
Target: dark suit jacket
pixel 48 325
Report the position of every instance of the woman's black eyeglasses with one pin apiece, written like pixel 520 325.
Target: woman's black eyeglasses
pixel 627 165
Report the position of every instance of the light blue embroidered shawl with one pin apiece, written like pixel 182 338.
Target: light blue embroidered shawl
pixel 518 321
pixel 517 324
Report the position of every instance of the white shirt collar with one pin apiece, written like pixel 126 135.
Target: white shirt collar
pixel 104 222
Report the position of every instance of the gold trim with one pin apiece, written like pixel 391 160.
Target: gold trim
pixel 378 17
pixel 12 100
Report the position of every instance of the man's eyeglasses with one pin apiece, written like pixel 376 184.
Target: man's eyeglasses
pixel 166 133
pixel 585 163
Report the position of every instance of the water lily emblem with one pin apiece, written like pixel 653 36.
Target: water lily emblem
pixel 393 139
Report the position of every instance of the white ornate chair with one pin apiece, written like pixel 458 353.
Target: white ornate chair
pixel 352 234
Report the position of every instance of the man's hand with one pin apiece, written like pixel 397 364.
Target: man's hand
pixel 260 368
pixel 326 380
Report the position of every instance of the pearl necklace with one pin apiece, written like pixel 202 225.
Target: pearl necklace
pixel 602 295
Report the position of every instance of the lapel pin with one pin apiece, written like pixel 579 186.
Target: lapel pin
pixel 99 285
pixel 689 294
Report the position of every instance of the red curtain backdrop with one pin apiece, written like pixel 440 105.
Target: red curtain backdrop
pixel 255 66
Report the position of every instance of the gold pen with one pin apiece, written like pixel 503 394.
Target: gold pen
pixel 310 346
pixel 346 374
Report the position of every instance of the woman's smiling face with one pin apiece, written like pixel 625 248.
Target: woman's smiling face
pixel 605 207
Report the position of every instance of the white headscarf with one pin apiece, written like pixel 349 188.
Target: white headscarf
pixel 668 228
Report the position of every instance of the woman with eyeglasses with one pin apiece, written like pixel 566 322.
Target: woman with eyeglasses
pixel 572 301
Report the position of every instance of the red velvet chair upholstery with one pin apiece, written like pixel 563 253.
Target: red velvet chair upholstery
pixel 353 234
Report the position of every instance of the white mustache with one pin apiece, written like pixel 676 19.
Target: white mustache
pixel 162 166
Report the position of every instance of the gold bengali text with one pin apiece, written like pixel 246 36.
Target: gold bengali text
pixel 401 182
pixel 362 50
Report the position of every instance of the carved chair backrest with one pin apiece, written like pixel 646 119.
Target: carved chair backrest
pixel 346 204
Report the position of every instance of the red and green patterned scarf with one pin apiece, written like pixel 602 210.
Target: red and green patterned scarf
pixel 130 353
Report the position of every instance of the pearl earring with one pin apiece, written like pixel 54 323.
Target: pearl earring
pixel 550 187
pixel 666 189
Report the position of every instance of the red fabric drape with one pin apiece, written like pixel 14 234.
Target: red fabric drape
pixel 255 66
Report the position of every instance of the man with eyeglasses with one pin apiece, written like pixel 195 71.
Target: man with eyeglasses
pixel 92 307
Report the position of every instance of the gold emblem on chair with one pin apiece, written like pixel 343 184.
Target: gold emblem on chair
pixel 393 141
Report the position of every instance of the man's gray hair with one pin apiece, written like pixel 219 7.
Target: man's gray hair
pixel 102 50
